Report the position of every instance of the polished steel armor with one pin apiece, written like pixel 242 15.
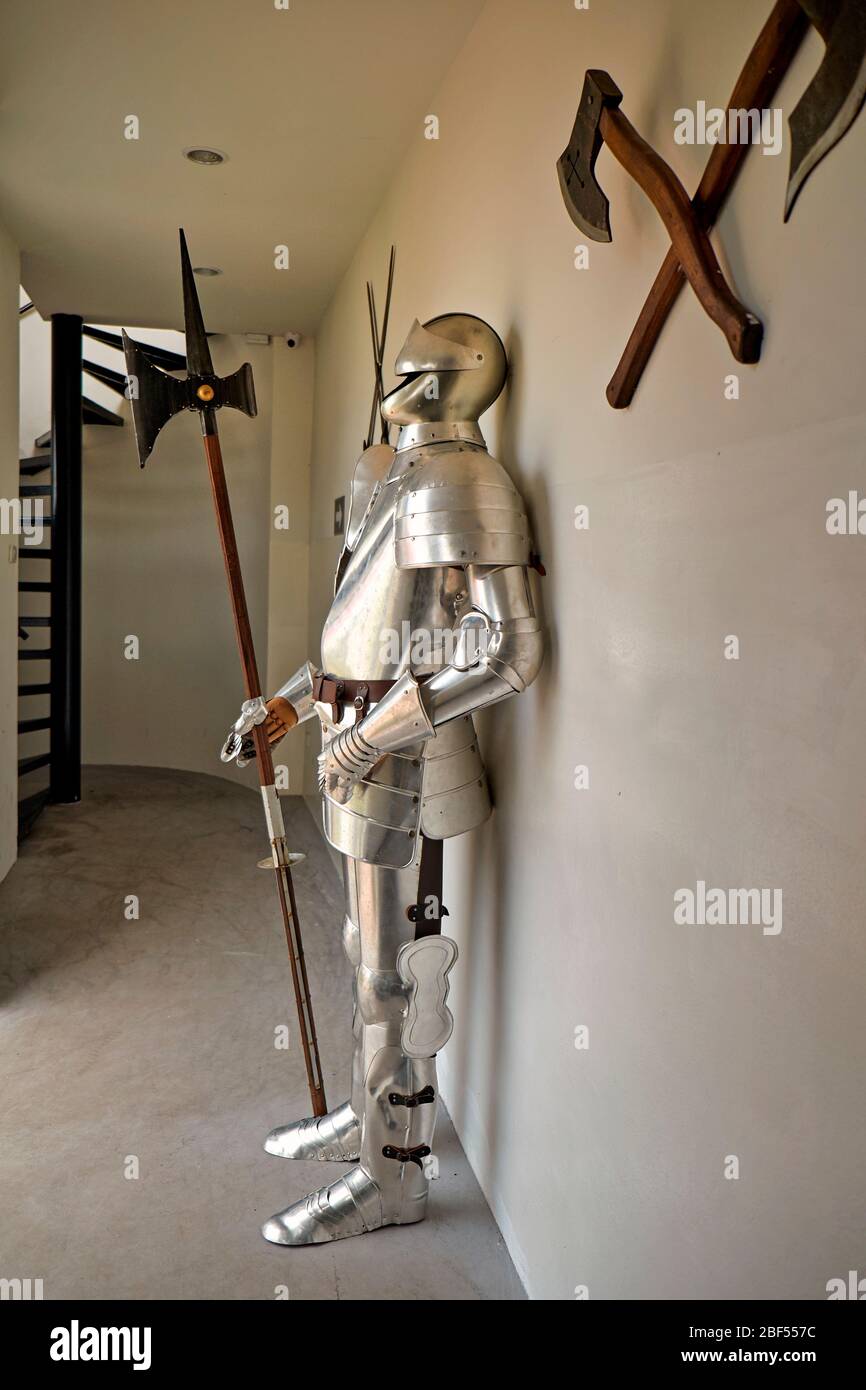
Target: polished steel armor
pixel 433 595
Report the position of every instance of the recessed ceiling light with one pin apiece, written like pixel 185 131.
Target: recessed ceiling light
pixel 206 270
pixel 203 154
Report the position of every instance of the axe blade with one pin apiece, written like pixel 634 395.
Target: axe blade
pixel 836 93
pixel 587 205
pixel 153 395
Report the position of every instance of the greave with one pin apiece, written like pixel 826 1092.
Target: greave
pixel 389 1187
pixel 401 987
pixel 337 1135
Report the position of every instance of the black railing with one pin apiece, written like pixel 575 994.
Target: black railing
pixel 62 682
pixel 66 558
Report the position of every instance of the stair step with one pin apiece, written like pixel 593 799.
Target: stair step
pixel 42 688
pixel 94 414
pixel 116 381
pixel 34 586
pixel 32 726
pixel 169 361
pixel 30 466
pixel 34 622
pixel 26 765
pixel 28 811
pixel 34 490
pixel 40 654
pixel 91 414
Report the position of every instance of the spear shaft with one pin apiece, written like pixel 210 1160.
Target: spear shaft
pixel 379 351
pixel 264 762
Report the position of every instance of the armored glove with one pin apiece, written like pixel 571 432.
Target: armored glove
pixel 239 746
pixel 345 762
pixel 278 716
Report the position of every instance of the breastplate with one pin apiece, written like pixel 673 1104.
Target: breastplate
pixel 439 788
pixel 367 634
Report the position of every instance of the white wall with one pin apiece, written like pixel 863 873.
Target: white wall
pixel 9 273
pixel 34 414
pixel 153 569
pixel 289 563
pixel 605 1167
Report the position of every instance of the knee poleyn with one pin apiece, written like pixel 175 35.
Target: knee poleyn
pixel 381 996
pixel 352 942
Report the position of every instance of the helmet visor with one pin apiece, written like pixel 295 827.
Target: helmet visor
pixel 424 351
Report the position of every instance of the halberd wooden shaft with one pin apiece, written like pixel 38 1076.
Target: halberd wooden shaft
pixel 264 761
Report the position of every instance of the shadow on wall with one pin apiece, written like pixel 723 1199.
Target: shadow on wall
pixel 488 865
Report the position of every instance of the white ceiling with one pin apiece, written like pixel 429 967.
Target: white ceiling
pixel 314 106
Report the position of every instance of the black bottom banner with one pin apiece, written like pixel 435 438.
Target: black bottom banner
pixel 167 1339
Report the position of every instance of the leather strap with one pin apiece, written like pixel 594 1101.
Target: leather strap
pixel 339 691
pixel 413 1155
pixel 429 890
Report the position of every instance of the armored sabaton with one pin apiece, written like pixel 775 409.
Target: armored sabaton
pixel 432 619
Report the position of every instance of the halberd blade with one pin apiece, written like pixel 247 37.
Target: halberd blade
pixel 154 396
pixel 238 390
pixel 198 356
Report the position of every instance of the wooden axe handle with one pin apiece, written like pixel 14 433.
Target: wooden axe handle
pixel 689 240
pixel 756 86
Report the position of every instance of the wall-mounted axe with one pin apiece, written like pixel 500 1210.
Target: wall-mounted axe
pixel 155 397
pixel 824 113
pixel 599 121
pixel 836 93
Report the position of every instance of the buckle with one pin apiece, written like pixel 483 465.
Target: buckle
pixel 416 912
pixel 337 707
pixel 361 702
pixel 425 1097
pixel 413 1155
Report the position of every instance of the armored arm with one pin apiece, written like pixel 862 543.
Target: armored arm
pixel 298 690
pixel 497 651
pixel 498 645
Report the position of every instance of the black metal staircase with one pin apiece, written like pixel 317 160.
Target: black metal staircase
pixel 53 568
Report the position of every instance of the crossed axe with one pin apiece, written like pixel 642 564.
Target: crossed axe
pixel 823 115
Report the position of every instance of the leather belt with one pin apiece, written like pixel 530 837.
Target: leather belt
pixel 338 692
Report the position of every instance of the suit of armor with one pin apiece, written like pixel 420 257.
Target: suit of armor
pixel 432 619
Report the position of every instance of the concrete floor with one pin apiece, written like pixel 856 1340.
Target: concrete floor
pixel 155 1039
